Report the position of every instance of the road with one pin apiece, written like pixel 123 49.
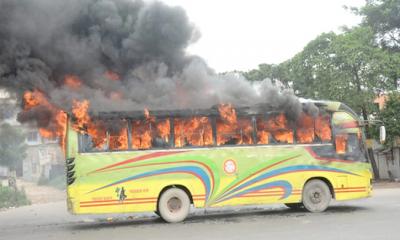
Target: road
pixel 373 218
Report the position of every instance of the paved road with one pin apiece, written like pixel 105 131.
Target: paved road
pixel 374 218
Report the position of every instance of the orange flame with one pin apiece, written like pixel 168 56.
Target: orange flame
pixel 323 128
pixel 232 130
pixel 305 129
pixel 196 131
pixel 341 143
pixel 112 75
pixel 80 112
pixel 119 141
pixel 56 127
pixel 280 129
pixel 72 81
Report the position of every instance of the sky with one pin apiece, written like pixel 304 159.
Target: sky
pixel 240 34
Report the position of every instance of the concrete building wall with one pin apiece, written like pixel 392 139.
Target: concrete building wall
pixel 388 163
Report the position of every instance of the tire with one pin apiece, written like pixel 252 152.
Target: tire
pixel 295 206
pixel 174 205
pixel 316 196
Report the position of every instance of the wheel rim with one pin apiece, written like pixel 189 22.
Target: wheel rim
pixel 316 196
pixel 174 204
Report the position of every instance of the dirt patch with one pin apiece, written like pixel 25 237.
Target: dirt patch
pixel 41 194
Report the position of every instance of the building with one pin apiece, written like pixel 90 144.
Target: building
pixel 44 158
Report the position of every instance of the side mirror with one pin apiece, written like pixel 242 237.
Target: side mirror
pixel 382 134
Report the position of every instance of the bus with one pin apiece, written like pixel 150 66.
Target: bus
pixel 169 161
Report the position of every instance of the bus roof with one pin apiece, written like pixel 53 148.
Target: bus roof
pixel 256 109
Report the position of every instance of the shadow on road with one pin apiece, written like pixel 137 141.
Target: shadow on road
pixel 223 216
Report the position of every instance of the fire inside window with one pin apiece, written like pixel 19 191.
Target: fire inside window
pixel 151 132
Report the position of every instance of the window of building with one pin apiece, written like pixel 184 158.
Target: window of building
pixel 32 137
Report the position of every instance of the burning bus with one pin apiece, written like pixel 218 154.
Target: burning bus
pixel 167 161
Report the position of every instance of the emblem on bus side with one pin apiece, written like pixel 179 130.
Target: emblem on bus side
pixel 120 194
pixel 230 166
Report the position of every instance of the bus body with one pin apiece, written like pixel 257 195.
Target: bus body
pixel 132 180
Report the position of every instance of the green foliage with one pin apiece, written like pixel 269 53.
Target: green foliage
pixel 11 198
pixel 390 116
pixel 270 71
pixel 383 16
pixel 12 146
pixel 348 67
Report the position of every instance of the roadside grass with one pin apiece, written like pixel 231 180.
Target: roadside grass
pixel 11 198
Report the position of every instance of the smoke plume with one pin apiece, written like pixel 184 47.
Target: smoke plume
pixel 126 55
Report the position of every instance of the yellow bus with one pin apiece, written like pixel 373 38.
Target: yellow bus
pixel 167 161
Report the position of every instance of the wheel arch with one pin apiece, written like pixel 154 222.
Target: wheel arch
pixel 326 181
pixel 182 187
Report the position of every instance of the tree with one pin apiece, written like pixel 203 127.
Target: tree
pixel 274 72
pixel 390 116
pixel 348 67
pixel 12 146
pixel 383 16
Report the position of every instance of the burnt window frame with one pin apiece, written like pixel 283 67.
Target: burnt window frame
pixel 213 119
pixel 252 119
pixel 171 134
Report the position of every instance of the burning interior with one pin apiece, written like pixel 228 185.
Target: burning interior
pixel 222 125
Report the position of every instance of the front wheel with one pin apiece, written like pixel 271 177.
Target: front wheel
pixel 316 196
pixel 174 205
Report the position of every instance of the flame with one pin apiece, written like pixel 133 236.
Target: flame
pixel 96 130
pixel 141 134
pixel 262 131
pixel 149 133
pixel 80 112
pixel 278 126
pixel 163 129
pixel 341 143
pixel 230 129
pixel 305 129
pixel 72 81
pixel 323 128
pixel 120 140
pixel 112 75
pixel 195 131
pixel 56 127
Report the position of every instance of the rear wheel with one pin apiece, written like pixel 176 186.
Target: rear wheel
pixel 316 196
pixel 174 205
pixel 294 206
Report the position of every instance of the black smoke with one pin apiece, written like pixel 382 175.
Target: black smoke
pixel 42 41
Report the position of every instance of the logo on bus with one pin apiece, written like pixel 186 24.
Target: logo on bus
pixel 230 166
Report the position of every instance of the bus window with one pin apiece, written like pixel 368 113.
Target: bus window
pixel 195 131
pixel 118 138
pixel 95 139
pixel 263 133
pixel 323 128
pixel 150 133
pixel 305 129
pixel 280 130
pixel 237 132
